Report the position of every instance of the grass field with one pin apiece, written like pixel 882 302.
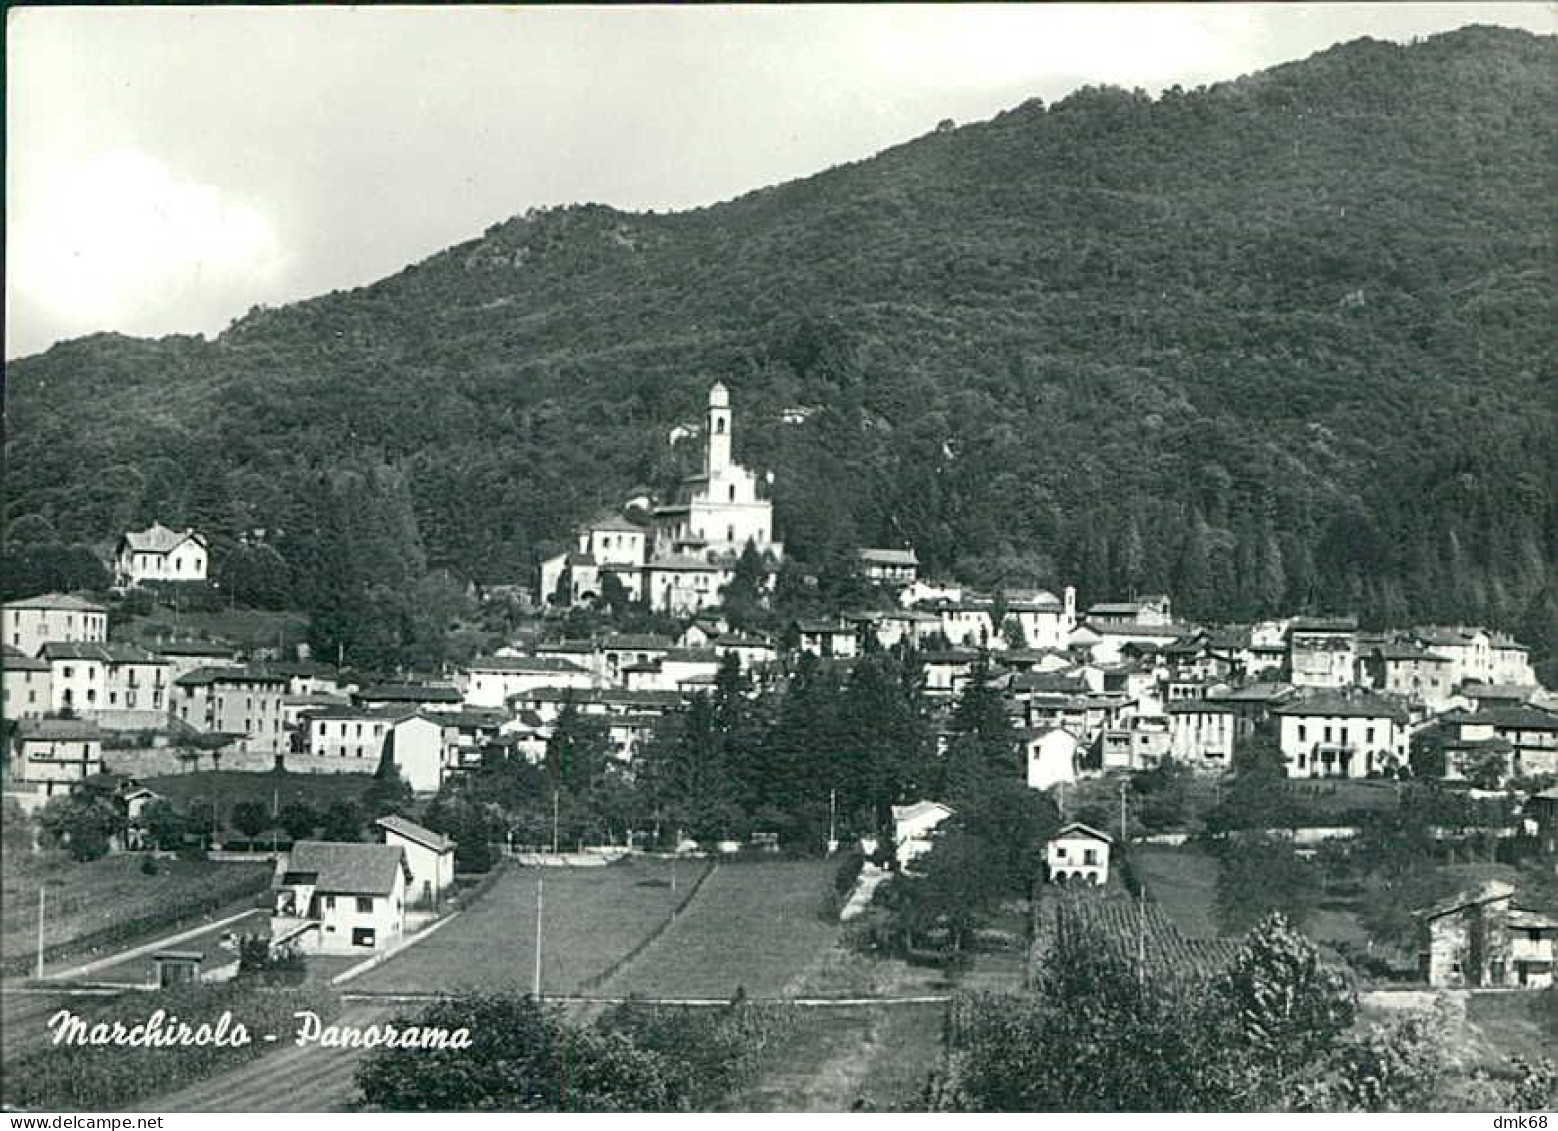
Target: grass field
pixel 1183 881
pixel 753 926
pixel 83 899
pixel 248 629
pixel 872 1058
pixel 1329 798
pixel 592 918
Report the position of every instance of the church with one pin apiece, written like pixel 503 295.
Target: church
pixel 689 553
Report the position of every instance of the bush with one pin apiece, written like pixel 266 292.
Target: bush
pixel 269 965
pixel 848 872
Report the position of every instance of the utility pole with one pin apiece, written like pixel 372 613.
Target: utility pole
pixel 554 820
pixel 1123 826
pixel 833 805
pixel 40 932
pixel 535 985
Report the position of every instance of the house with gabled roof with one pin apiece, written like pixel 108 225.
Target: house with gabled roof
pixel 1078 854
pixel 429 856
pixel 1484 939
pixel 1051 755
pixel 159 554
pixel 340 898
pixel 889 567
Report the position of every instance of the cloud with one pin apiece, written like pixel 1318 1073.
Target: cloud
pixel 118 239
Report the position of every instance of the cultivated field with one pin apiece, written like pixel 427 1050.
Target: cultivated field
pixel 110 904
pixel 756 927
pixel 593 918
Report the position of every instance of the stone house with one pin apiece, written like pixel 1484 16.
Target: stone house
pixel 1481 939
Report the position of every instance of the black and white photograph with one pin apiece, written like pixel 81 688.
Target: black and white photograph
pixel 904 558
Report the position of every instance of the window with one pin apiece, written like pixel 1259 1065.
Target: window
pixel 1090 856
pixel 365 904
pixel 1060 851
pixel 1302 732
pixel 1328 734
pixel 362 936
pixel 1368 735
pixel 719 425
pixel 329 903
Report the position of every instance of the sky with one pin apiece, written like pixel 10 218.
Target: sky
pixel 167 169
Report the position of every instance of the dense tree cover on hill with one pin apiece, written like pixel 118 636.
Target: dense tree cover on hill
pixel 1279 343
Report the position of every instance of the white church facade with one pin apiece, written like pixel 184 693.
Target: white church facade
pixel 685 557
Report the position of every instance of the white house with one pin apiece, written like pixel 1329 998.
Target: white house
pixel 31 622
pixel 159 554
pixel 1322 652
pixel 423 749
pixel 1051 755
pixel 1078 853
pixel 1152 610
pixel 26 684
pixel 489 681
pixel 1342 734
pixel 1201 734
pixel 332 898
pixel 889 567
pixel 429 857
pixel 119 685
pixel 1046 621
pixel 52 755
pixel 682 584
pixel 913 826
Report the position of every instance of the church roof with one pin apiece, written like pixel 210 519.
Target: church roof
pixel 158 539
pixel 611 520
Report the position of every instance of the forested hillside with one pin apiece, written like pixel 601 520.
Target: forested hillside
pixel 1285 342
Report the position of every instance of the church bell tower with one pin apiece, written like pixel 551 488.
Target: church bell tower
pixel 718 458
